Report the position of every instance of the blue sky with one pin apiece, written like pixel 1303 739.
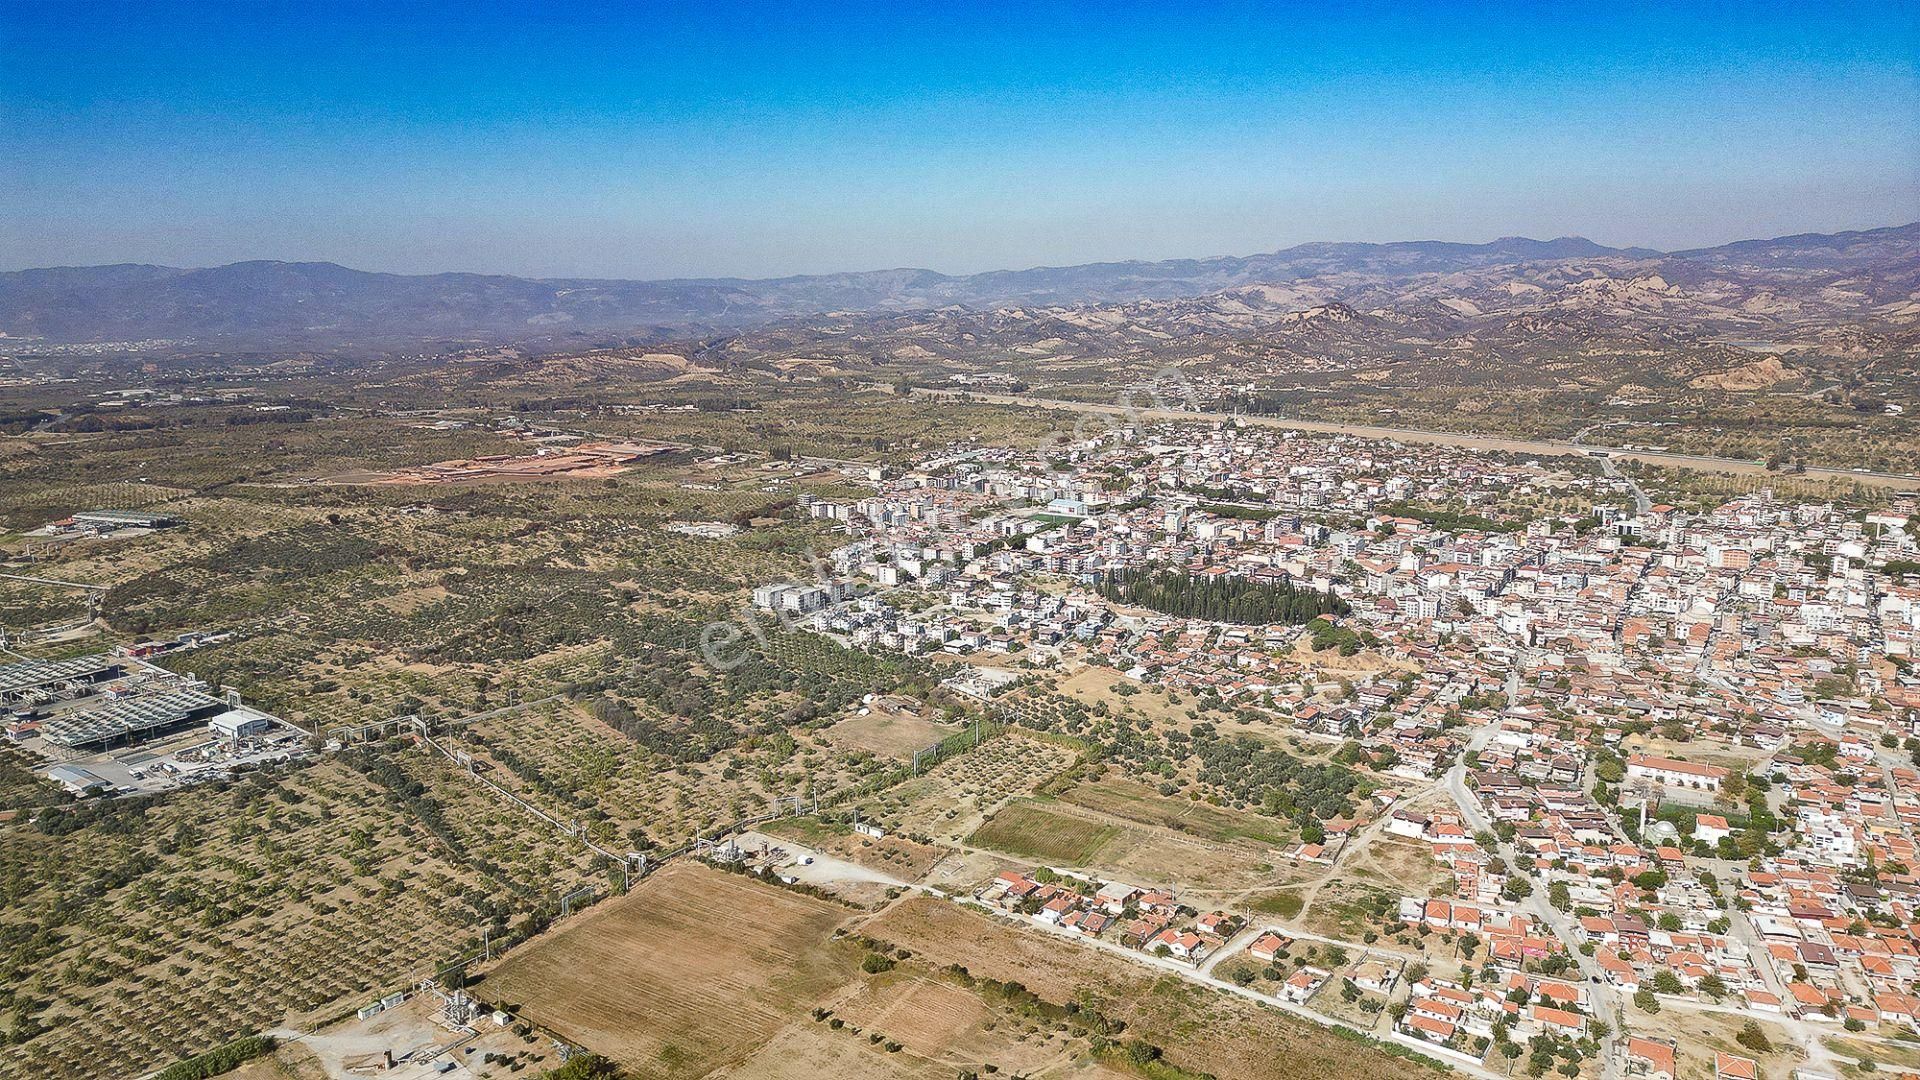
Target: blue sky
pixel 648 140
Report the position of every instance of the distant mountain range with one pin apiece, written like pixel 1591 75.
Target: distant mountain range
pixel 255 305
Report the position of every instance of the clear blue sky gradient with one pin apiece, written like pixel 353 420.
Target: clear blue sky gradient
pixel 642 140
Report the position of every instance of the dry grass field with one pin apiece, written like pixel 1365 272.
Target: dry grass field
pixel 1125 829
pixel 929 1029
pixel 1030 830
pixel 1135 801
pixel 695 969
pixel 807 1051
pixel 1094 684
pixel 888 733
pixel 1183 1019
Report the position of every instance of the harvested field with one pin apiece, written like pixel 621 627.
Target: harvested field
pixel 1182 1018
pixel 693 970
pixel 1028 829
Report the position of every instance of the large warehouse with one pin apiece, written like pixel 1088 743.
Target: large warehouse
pixel 26 678
pixel 106 520
pixel 137 718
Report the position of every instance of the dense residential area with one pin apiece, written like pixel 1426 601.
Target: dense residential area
pixel 1664 758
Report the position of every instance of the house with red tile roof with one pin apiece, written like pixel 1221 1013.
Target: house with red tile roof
pixel 1651 1058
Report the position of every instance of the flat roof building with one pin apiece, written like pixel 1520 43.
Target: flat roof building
pixel 28 676
pixel 76 779
pixel 236 724
pixel 122 519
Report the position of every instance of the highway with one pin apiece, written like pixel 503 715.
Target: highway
pixel 1539 447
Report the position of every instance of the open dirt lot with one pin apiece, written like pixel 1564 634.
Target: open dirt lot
pixel 888 732
pixel 694 969
pixel 893 858
pixel 1702 1033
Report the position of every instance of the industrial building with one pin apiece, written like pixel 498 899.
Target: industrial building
pixel 236 724
pixel 123 721
pixel 30 678
pixel 76 780
pixel 108 520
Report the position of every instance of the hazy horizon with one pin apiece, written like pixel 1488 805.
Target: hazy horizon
pixel 1197 257
pixel 763 142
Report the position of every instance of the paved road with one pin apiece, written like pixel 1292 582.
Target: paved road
pixel 1541 447
pixel 1604 995
pixel 1611 469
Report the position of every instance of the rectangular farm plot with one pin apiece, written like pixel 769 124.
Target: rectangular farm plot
pixel 691 971
pixel 1028 829
pixel 1139 803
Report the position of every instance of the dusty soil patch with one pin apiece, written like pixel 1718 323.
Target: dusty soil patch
pixel 895 855
pixel 693 969
pixel 888 733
